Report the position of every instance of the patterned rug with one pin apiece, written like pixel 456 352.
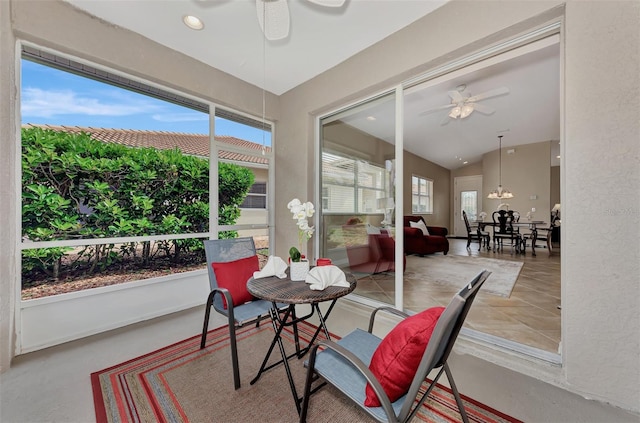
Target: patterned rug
pixel 455 271
pixel 181 383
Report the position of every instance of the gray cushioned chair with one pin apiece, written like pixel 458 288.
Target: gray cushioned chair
pixel 345 363
pixel 222 251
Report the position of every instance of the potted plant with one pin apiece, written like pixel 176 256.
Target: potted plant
pixel 299 266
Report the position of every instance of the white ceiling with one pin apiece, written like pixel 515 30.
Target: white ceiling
pixel 319 38
pixel 322 37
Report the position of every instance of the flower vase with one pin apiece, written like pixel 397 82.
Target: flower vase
pixel 298 270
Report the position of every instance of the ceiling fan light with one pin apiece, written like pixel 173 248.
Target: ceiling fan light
pixel 455 112
pixel 466 110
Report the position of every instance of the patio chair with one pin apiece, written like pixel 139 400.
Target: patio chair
pixel 234 258
pixel 346 364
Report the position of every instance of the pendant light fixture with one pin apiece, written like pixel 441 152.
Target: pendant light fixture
pixel 500 193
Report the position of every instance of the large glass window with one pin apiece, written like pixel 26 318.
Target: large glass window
pixel 116 178
pixel 421 195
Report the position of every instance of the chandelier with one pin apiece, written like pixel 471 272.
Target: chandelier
pixel 501 192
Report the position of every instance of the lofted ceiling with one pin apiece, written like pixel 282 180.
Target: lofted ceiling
pixel 322 37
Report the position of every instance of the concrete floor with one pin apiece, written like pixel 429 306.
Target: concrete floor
pixel 53 385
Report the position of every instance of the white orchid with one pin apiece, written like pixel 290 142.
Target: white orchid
pixel 301 211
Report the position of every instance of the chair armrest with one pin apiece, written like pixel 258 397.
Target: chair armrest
pixel 385 402
pixel 438 230
pixel 391 310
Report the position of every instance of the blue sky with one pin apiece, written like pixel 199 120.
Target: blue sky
pixel 51 96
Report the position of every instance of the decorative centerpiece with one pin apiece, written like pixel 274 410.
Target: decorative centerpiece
pixel 482 215
pixel 299 265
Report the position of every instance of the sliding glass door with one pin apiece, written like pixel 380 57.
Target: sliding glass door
pixel 358 194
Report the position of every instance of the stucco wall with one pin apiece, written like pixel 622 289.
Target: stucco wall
pixel 599 156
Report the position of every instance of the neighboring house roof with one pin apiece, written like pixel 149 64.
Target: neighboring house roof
pixel 192 144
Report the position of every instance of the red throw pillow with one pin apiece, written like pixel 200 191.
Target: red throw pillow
pixel 233 275
pixel 395 361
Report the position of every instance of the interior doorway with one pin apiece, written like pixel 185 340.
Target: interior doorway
pixel 467 196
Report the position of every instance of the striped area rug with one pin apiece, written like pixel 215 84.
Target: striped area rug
pixel 181 383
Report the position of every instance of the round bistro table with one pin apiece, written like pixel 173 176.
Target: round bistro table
pixel 284 294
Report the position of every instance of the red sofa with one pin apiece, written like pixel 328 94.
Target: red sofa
pixel 375 255
pixel 415 242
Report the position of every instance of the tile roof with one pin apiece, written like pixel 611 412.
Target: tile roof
pixel 192 144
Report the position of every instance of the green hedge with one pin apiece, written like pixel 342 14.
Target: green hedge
pixel 75 187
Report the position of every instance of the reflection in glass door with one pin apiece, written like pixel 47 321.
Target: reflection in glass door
pixel 357 186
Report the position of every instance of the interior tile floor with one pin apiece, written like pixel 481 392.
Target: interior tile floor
pixel 530 316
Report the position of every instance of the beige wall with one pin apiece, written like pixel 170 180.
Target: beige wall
pixel 600 152
pixel 415 165
pixel 525 173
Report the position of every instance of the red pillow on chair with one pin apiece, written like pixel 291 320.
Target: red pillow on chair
pixel 395 361
pixel 233 275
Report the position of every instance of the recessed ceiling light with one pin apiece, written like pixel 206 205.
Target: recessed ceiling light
pixel 371 118
pixel 192 22
pixel 557 157
pixel 465 162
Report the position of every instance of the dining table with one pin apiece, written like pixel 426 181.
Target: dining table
pixel 285 294
pixel 532 225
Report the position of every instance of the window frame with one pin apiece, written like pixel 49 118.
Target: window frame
pixel 355 186
pixel 429 195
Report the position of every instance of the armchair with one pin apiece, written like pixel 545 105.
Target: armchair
pixel 369 253
pixel 416 242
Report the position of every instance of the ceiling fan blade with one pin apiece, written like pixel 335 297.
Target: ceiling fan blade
pixel 483 108
pixel 273 17
pixel 489 94
pixel 456 97
pixel 446 120
pixel 435 109
pixel 328 3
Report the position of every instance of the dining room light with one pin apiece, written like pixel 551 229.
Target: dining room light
pixel 501 192
pixel 193 22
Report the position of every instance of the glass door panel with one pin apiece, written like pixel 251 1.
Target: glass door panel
pixel 357 162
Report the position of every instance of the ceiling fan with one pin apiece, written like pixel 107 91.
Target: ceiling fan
pixel 462 106
pixel 273 16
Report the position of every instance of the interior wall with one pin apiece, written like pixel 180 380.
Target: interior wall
pixel 525 173
pixel 441 177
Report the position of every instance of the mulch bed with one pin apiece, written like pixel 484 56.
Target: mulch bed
pixel 46 288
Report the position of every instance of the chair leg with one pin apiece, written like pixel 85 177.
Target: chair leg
pixel 456 394
pixel 234 351
pixel 307 385
pixel 207 313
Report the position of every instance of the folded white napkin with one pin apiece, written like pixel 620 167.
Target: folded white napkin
pixel 321 277
pixel 275 267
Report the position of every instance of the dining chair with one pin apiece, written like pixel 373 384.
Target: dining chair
pixel 347 364
pixel 235 260
pixel 543 235
pixel 482 237
pixel 503 229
